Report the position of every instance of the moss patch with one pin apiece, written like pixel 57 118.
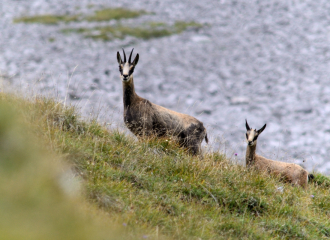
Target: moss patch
pixel 119 31
pixel 148 31
pixel 47 19
pixel 98 16
pixel 113 13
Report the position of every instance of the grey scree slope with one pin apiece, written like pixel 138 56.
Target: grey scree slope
pixel 267 61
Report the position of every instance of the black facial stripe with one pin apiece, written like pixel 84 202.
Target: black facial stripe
pixel 255 138
pixel 247 136
pixel 120 69
pixel 131 71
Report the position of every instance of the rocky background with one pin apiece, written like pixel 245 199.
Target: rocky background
pixel 265 61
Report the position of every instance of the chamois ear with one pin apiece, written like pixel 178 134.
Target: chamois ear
pixel 247 125
pixel 119 58
pixel 261 129
pixel 136 59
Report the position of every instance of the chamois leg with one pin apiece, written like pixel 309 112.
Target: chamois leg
pixel 304 179
pixel 193 150
pixel 194 145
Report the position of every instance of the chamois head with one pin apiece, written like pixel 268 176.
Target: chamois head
pixel 126 69
pixel 252 134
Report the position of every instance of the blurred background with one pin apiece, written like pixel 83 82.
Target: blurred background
pixel 219 61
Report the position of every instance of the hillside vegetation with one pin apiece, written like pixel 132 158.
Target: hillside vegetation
pixel 136 189
pixel 146 30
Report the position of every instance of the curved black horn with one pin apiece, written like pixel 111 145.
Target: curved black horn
pixel 261 129
pixel 247 125
pixel 130 57
pixel 124 55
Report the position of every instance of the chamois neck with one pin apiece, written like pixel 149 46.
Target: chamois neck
pixel 250 156
pixel 129 93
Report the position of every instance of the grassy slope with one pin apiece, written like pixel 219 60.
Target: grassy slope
pixel 155 186
pixel 39 197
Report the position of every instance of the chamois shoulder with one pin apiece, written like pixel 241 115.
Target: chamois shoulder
pixel 144 101
pixel 140 102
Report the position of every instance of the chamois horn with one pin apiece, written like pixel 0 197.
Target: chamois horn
pixel 247 125
pixel 124 55
pixel 130 56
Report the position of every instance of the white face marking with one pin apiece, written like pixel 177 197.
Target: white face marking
pixel 250 135
pixel 125 69
pixel 125 77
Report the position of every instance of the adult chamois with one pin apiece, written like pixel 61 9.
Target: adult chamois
pixel 289 172
pixel 144 118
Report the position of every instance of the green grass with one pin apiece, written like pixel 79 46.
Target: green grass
pixel 106 14
pixel 113 13
pixel 107 33
pixel 148 31
pixel 153 186
pixel 47 19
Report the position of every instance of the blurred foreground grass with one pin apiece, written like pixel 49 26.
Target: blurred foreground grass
pixel 41 195
pixel 151 187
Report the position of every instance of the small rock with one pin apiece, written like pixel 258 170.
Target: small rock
pixel 304 110
pixel 74 96
pixel 200 38
pixel 213 88
pixel 239 100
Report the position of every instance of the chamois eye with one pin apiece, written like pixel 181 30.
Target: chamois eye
pixel 255 138
pixel 131 71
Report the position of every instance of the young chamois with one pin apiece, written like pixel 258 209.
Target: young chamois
pixel 289 172
pixel 144 118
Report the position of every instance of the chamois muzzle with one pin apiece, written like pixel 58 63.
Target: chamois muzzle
pixel 125 77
